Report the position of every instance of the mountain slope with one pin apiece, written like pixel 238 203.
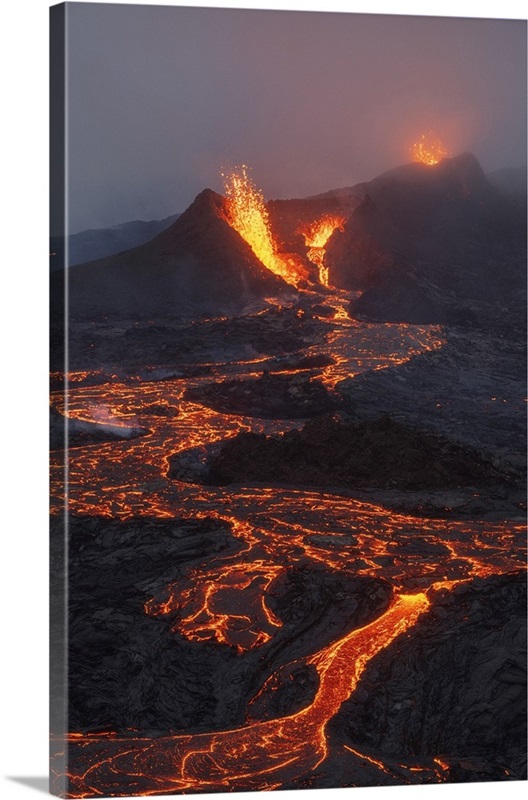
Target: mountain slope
pixel 510 181
pixel 431 244
pixel 97 243
pixel 198 264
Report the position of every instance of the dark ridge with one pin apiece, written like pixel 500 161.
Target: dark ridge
pixel 330 453
pixel 199 263
pixel 431 244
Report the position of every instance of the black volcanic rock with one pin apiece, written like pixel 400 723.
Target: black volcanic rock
pixel 131 669
pixel 431 244
pixel 199 263
pixel 472 390
pixel 126 669
pixel 453 687
pixel 314 605
pixel 401 294
pixel 272 396
pixel 326 452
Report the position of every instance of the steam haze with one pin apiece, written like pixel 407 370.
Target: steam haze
pixel 161 99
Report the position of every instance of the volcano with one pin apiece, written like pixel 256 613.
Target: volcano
pixel 198 264
pixel 423 243
pixel 431 244
pixel 278 514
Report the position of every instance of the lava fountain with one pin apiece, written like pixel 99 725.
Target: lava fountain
pixel 428 150
pixel 316 236
pixel 249 216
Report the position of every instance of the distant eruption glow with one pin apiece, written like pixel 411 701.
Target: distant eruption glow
pixel 428 150
pixel 249 217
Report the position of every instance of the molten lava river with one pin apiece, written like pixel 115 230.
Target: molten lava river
pixel 223 600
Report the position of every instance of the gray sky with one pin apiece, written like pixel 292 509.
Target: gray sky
pixel 161 98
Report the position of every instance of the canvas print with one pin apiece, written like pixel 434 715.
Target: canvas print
pixel 288 327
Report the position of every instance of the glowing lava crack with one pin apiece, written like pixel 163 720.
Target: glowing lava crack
pixel 224 599
pixel 256 756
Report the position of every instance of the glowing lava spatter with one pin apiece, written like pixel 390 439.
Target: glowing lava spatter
pixel 316 236
pixel 428 150
pixel 249 216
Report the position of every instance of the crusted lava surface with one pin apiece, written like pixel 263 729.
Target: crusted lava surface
pixel 310 569
pixel 130 671
pixel 329 453
pixel 270 396
pixel 453 688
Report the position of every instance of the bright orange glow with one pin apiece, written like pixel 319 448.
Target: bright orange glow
pixel 225 604
pixel 257 755
pixel 316 236
pixel 248 215
pixel 228 598
pixel 374 761
pixel 428 150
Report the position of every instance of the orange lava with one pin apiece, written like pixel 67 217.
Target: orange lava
pixel 249 216
pixel 226 604
pixel 316 236
pixel 226 598
pixel 363 756
pixel 428 150
pixel 255 756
